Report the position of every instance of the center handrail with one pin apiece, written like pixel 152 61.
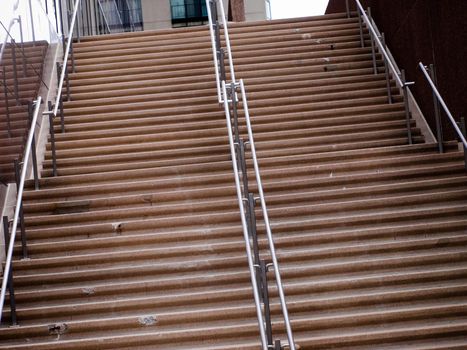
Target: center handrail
pixel 19 199
pixel 214 48
pixel 223 97
pixel 244 222
pixel 65 58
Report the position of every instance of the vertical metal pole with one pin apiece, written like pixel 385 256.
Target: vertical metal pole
pixel 15 72
pixel 221 64
pixel 56 16
pixel 24 246
pixel 52 143
pixel 62 118
pixel 252 224
pixel 386 71
pixel 267 312
pixel 7 104
pixel 11 288
pixel 78 21
pixel 67 79
pixel 33 149
pixel 439 125
pixel 32 24
pixel 242 165
pixel 25 70
pixel 362 42
pixel 234 111
pixel 59 69
pixel 277 345
pixel 373 53
pixel 61 19
pixel 464 132
pixel 73 67
pixel 406 106
pixel 347 8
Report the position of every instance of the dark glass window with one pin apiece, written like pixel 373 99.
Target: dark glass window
pixel 188 12
pixel 121 15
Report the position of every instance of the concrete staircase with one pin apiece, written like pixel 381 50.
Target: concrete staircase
pixel 28 85
pixel 137 243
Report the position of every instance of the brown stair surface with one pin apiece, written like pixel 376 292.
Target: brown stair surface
pixel 137 243
pixel 29 65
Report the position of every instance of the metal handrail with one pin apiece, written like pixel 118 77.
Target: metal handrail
pixel 398 76
pixel 3 45
pixel 244 224
pixel 227 42
pixel 214 53
pixel 224 98
pixel 19 198
pixel 272 248
pixel 12 22
pixel 65 58
pixel 443 104
pixel 220 97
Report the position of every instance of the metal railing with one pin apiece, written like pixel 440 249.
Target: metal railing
pixel 230 95
pixel 7 272
pixel 378 42
pixel 21 170
pixel 15 47
pixel 429 74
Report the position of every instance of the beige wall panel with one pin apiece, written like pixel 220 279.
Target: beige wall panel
pixel 156 14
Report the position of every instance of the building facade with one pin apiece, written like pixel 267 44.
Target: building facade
pixel 97 17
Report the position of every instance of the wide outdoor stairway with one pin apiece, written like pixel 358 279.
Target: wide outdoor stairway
pixel 29 64
pixel 137 243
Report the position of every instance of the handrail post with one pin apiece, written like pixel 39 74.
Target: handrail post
pixel 373 51
pixel 464 132
pixel 52 141
pixel 59 72
pixel 7 104
pixel 15 72
pixel 406 106
pixel 78 25
pixel 73 69
pixel 24 247
pixel 360 25
pixel 11 289
pixel 386 71
pixel 33 32
pixel 263 270
pixel 221 56
pixel 67 78
pixel 242 161
pixel 233 96
pixel 33 149
pixel 62 117
pixel 347 8
pixel 439 125
pixel 20 23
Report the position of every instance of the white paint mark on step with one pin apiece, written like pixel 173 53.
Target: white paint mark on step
pixel 88 291
pixel 147 320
